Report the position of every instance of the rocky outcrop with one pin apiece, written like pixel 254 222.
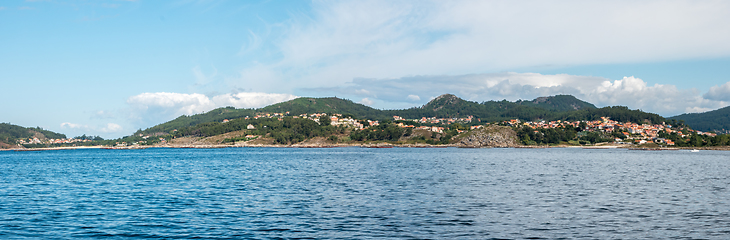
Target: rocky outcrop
pixel 492 136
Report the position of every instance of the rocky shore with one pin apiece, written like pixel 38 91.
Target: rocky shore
pixel 492 136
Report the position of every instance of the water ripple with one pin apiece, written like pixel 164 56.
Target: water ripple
pixel 354 193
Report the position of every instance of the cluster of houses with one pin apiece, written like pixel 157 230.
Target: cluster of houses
pixel 335 119
pixel 435 120
pixel 634 132
pixel 339 120
pixel 35 140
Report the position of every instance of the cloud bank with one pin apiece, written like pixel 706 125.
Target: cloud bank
pixel 633 92
pixel 154 108
pixel 343 40
pixel 78 129
pixel 719 93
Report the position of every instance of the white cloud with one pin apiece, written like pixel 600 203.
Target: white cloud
pixel 101 114
pixel 633 92
pixel 176 103
pixel 201 78
pixel 250 99
pixel 343 40
pixel 111 128
pixel 155 108
pixel 86 129
pixel 366 101
pixel 719 93
pixel 413 97
pixel 73 126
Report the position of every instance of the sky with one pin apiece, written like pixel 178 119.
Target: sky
pixel 110 67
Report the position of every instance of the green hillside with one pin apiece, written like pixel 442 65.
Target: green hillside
pixel 215 115
pixel 617 113
pixel 561 107
pixel 448 106
pixel 294 107
pixel 9 134
pixel 560 103
pixel 717 120
pixel 323 105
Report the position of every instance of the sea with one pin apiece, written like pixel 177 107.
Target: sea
pixel 364 193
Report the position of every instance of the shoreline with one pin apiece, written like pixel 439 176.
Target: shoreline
pixel 51 148
pixel 363 145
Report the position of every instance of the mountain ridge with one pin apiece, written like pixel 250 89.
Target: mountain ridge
pixel 717 120
pixel 559 107
pixel 10 133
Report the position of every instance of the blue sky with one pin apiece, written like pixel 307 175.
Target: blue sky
pixel 111 67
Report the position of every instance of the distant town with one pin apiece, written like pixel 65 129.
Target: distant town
pixel 35 140
pixel 632 133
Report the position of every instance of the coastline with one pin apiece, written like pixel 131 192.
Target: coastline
pixel 51 148
pixel 362 145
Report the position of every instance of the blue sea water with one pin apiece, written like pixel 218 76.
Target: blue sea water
pixel 360 193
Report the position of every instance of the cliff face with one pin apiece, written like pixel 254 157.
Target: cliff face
pixel 492 136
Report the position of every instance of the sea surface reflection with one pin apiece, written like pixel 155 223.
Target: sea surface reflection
pixel 354 193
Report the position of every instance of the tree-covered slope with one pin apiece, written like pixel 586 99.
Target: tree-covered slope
pixel 561 107
pixel 9 134
pixel 294 107
pixel 717 120
pixel 215 115
pixel 323 105
pixel 617 113
pixel 560 103
pixel 448 105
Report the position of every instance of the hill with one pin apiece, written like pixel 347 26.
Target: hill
pixel 324 105
pixel 560 107
pixel 294 107
pixel 717 120
pixel 451 106
pixel 9 134
pixel 561 103
pixel 215 115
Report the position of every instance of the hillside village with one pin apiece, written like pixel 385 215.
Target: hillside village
pixel 36 140
pixel 632 132
pixel 423 121
pixel 356 124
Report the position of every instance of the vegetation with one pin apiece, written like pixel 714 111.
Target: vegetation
pixel 717 120
pixel 559 103
pixel 216 115
pixel 9 133
pixel 616 113
pixel 382 132
pixel 561 107
pixel 696 140
pixel 325 105
pixel 287 131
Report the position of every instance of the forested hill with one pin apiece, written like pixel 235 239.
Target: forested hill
pixel 9 134
pixel 561 103
pixel 717 120
pixel 215 115
pixel 561 107
pixel 324 105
